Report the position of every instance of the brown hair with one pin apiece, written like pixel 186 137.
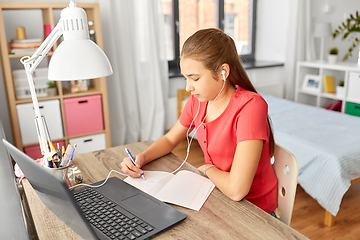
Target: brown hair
pixel 213 48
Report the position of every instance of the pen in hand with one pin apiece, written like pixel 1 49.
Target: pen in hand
pixel 133 160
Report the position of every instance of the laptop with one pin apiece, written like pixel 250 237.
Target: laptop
pixel 115 210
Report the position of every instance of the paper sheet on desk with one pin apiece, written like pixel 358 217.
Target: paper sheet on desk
pixel 185 188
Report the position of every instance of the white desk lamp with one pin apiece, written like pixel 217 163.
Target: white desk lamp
pixel 76 58
pixel 322 30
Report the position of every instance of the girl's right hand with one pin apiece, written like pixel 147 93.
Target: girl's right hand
pixel 128 167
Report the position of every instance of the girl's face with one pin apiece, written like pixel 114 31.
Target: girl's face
pixel 199 80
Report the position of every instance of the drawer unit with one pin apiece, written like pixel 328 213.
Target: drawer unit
pixel 354 86
pixel 89 143
pixel 50 110
pixel 83 115
pixel 353 109
pixel 34 151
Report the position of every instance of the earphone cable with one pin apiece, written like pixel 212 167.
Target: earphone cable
pixel 187 134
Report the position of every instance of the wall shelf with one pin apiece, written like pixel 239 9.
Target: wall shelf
pixel 348 72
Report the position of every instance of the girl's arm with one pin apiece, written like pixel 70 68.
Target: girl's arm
pixel 236 183
pixel 159 148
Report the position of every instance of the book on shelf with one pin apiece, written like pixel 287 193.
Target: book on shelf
pixel 23 51
pixel 27 40
pixel 329 84
pixel 35 44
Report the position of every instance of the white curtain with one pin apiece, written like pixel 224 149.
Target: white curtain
pixel 300 42
pixel 134 40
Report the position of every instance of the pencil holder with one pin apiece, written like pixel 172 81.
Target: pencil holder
pixel 62 172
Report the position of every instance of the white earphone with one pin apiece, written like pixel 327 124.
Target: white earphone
pixel 223 74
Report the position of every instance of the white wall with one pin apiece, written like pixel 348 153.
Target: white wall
pixel 338 12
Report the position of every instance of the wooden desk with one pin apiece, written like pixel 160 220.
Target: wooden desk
pixel 220 217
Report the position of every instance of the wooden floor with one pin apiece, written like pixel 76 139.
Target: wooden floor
pixel 308 215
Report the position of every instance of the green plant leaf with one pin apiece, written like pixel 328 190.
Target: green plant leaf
pixel 51 84
pixel 350 25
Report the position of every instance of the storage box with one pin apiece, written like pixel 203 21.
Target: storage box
pixel 22 89
pixel 83 115
pixel 353 109
pixel 89 143
pixel 354 86
pixel 34 151
pixel 38 73
pixel 26 115
pixel 21 93
pixel 23 82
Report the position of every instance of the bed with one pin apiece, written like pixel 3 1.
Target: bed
pixel 326 145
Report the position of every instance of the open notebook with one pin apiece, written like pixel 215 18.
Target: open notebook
pixel 185 188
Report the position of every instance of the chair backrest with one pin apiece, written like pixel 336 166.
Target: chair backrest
pixel 181 94
pixel 286 170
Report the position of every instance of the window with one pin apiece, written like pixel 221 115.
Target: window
pixel 184 17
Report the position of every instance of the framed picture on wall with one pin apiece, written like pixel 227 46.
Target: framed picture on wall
pixel 311 83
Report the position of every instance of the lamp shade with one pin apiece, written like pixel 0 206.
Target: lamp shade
pixel 78 59
pixel 322 29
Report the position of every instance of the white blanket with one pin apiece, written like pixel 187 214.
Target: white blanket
pixel 325 143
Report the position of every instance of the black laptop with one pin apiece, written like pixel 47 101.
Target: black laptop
pixel 115 210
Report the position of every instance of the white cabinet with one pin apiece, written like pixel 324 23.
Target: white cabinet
pixel 354 87
pixel 309 88
pixel 50 110
pixel 89 143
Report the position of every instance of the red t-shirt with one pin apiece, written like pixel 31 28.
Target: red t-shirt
pixel 245 118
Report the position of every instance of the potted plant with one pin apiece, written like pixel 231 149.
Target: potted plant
pixel 340 89
pixel 51 90
pixel 333 55
pixel 349 28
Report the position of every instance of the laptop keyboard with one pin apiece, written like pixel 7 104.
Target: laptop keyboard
pixel 108 217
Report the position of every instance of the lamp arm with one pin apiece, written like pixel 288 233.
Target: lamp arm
pixel 30 64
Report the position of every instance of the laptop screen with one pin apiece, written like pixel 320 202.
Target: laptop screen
pixel 53 192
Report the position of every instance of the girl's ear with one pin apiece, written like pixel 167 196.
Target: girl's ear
pixel 225 71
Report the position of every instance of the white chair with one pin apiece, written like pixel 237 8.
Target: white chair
pixel 286 170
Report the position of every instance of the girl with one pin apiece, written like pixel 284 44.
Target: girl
pixel 233 128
